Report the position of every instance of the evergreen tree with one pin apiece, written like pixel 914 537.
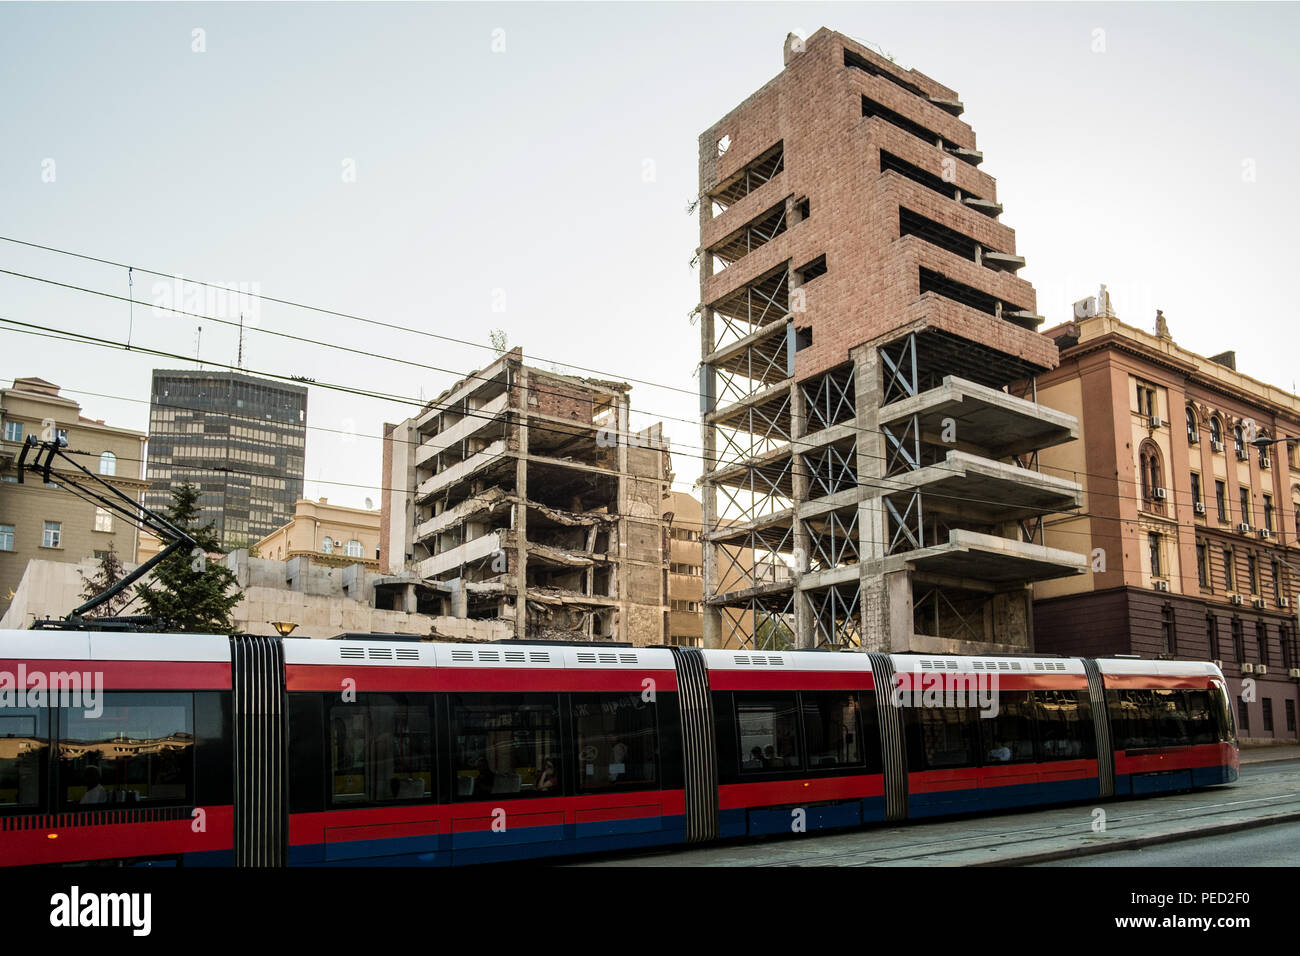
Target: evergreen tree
pixel 110 572
pixel 189 592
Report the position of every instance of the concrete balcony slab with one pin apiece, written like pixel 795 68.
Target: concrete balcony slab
pixel 986 491
pixel 988 558
pixel 983 417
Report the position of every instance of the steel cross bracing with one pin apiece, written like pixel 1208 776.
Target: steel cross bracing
pixel 936 600
pixel 900 368
pixel 831 470
pixel 835 543
pixel 829 399
pixel 764 564
pixel 764 432
pixel 773 623
pixel 909 529
pixel 755 174
pixel 835 615
pixel 756 234
pixel 763 301
pixel 764 495
pixel 763 364
pixel 902 449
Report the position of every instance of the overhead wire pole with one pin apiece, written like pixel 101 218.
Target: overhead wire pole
pixel 116 501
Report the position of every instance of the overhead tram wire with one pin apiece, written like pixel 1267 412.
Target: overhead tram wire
pixel 432 406
pixel 82 338
pixel 324 311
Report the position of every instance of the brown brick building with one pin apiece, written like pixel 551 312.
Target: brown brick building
pixel 40 521
pixel 1193 531
pixel 861 320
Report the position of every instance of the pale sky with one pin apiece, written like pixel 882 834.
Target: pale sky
pixel 542 189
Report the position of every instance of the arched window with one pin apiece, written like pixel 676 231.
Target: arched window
pixel 1216 430
pixel 1150 475
pixel 327 545
pixel 1193 427
pixel 353 549
pixel 108 463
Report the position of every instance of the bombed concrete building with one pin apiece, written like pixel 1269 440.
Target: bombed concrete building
pixel 868 366
pixel 522 495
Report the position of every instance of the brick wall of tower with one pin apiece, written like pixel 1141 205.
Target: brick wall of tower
pixel 832 157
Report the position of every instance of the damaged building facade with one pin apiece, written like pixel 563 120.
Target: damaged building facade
pixel 869 359
pixel 521 495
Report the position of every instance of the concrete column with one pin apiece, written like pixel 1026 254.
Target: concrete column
pixel 409 600
pixel 624 591
pixel 521 511
pixel 805 635
pixel 711 617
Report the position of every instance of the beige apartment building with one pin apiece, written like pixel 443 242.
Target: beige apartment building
pixel 1192 529
pixel 330 535
pixel 47 521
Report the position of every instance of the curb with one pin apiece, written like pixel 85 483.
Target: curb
pixel 1134 843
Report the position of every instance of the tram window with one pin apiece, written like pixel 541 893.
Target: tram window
pixel 380 750
pixel 1169 709
pixel 1064 723
pixel 945 736
pixel 24 751
pixel 1008 735
pixel 501 744
pixel 769 732
pixel 1200 718
pixel 1134 719
pixel 1223 723
pixel 139 749
pixel 831 726
pixel 616 744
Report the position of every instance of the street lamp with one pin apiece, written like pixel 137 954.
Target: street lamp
pixel 283 628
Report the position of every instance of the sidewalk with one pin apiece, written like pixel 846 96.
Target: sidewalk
pixel 1266 754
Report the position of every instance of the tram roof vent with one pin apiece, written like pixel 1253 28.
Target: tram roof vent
pixel 759 660
pixel 352 653
pixel 1049 665
pixel 380 653
pixel 605 657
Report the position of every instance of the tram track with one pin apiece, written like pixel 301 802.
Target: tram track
pixel 1266 796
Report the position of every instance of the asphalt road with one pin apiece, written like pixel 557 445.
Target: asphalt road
pixel 1277 845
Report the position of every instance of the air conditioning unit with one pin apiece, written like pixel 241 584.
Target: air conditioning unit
pixel 1261 668
pixel 1162 585
pixel 1244 528
pixel 1193 438
pixel 1293 672
pixel 1284 602
pixel 1243 454
pixel 1217 663
pixel 1248 668
pixel 1160 494
pixel 1217 445
pixel 1238 599
pixel 1259 602
pixel 1264 462
pixel 1200 507
pixel 1157 421
pixel 1265 533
